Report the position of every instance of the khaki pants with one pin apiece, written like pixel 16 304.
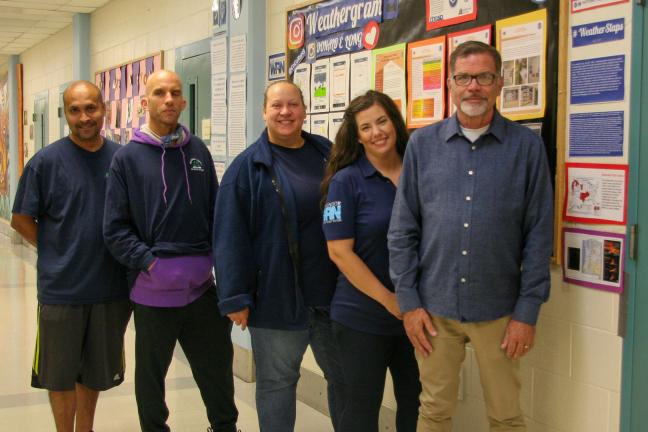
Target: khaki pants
pixel 439 374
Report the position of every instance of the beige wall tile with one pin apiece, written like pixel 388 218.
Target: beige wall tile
pixel 597 357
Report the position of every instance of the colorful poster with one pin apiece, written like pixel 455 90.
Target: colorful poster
pixel 333 27
pixel 481 34
pixel 583 5
pixel 122 88
pixel 596 134
pixel 389 74
pixel 5 211
pixel 522 42
pixel 426 81
pixel 594 259
pixel 596 193
pixel 442 13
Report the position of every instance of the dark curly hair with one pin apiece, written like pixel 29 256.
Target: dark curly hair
pixel 347 148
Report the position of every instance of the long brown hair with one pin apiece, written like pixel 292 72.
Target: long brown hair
pixel 347 148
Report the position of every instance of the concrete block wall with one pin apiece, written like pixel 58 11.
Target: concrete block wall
pixel 571 379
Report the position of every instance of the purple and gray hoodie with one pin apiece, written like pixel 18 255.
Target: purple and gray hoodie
pixel 158 216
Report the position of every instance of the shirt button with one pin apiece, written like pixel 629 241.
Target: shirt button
pixel 473 147
pixel 463 280
pixel 466 225
pixel 471 172
pixel 468 198
pixel 464 252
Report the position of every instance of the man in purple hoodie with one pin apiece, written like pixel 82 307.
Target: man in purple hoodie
pixel 158 222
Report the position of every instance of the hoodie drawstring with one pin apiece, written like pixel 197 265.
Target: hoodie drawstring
pixel 164 192
pixel 184 164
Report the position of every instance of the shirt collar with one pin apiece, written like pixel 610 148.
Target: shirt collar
pixel 497 127
pixel 366 168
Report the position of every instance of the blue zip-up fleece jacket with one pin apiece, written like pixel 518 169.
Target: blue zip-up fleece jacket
pixel 252 258
pixel 159 206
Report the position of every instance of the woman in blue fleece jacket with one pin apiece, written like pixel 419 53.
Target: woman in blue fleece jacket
pixel 272 267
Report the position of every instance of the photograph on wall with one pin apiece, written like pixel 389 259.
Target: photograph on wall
pixel 360 74
pixel 276 66
pixel 122 88
pixel 583 5
pixel 481 34
pixel 389 74
pixel 426 82
pixel 442 13
pixel 593 259
pixel 595 193
pixel 522 40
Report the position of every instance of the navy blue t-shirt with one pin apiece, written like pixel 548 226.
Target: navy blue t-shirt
pixel 63 187
pixel 358 206
pixel 304 167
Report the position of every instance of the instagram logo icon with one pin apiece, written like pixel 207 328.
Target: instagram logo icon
pixel 296 32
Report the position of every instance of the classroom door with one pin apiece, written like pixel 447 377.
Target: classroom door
pixel 40 120
pixel 634 415
pixel 196 85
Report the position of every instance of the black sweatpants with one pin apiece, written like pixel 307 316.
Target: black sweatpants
pixel 206 341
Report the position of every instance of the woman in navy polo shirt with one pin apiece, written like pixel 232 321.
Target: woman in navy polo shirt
pixel 359 186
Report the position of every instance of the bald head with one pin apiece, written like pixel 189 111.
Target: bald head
pixel 163 101
pixel 82 88
pixel 84 112
pixel 163 75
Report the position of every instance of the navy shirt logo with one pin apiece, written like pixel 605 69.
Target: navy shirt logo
pixel 333 212
pixel 196 165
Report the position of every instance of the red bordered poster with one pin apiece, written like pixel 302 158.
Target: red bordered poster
pixel 596 193
pixel 442 13
pixel 583 5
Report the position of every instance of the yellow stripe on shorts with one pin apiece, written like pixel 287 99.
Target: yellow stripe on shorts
pixel 37 349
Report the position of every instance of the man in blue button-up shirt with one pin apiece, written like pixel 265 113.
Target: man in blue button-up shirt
pixel 470 243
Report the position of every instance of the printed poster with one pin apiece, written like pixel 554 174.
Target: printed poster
pixel 320 87
pixel 583 5
pixel 596 193
pixel 597 80
pixel 442 13
pixel 339 67
pixel 594 259
pixel 276 66
pixel 522 42
pixel 481 34
pixel 596 134
pixel 426 81
pixel 301 79
pixel 360 73
pixel 389 74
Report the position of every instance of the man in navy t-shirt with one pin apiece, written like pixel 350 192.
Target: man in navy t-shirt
pixel 83 305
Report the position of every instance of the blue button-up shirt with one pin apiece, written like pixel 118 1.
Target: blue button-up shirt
pixel 472 226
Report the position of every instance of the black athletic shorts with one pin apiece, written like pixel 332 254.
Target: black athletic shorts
pixel 80 344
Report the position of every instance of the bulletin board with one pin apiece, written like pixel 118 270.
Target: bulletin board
pixel 122 88
pixel 417 23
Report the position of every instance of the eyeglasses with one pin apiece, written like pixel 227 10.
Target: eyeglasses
pixel 483 79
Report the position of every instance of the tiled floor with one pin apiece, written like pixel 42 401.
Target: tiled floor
pixel 24 409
